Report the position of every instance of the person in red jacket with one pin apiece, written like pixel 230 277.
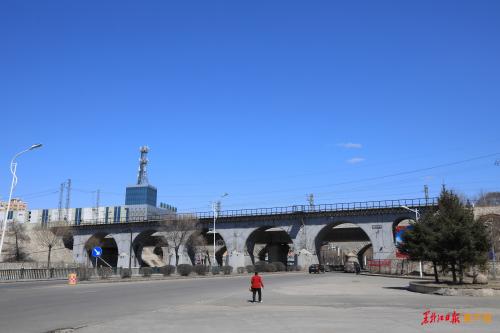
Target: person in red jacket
pixel 256 284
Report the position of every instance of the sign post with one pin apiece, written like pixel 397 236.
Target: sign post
pixel 96 253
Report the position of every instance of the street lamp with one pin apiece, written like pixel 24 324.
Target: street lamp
pixel 216 210
pixel 13 168
pixel 417 215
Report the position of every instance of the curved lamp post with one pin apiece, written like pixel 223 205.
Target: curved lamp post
pixel 13 168
pixel 417 215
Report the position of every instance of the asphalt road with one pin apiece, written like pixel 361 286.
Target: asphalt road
pixel 293 302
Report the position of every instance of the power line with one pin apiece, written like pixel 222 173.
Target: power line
pixel 391 175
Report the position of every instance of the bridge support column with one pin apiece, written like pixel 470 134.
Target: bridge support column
pixel 305 245
pixel 235 240
pixel 124 245
pixel 80 255
pixel 380 234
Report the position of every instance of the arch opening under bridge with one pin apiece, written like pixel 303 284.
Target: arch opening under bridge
pixel 271 244
pixel 341 242
pixel 109 248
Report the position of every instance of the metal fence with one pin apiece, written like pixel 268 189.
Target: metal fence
pixel 35 273
pixel 393 266
pixel 83 273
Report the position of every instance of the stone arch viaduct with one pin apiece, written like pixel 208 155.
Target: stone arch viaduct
pixel 301 228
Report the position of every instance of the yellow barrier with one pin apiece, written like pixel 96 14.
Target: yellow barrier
pixel 72 279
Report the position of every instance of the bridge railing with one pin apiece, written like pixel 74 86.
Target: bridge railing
pixel 337 207
pixel 348 206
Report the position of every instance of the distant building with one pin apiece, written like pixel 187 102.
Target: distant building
pixel 141 195
pixel 15 204
pixel 140 204
pixel 17 211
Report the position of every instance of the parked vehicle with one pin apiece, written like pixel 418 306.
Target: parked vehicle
pixel 316 268
pixel 337 268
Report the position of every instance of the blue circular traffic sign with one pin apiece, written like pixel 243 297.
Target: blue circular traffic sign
pixel 96 252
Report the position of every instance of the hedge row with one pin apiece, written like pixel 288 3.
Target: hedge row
pixel 185 269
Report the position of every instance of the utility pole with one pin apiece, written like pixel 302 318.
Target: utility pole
pixel 130 254
pixel 310 199
pixel 98 195
pixel 61 196
pixel 68 198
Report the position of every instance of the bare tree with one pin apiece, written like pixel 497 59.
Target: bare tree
pixel 17 233
pixel 492 222
pixel 198 246
pixel 488 199
pixel 177 231
pixel 49 237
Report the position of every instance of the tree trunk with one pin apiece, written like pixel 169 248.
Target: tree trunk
pixel 454 272
pixel 461 271
pixel 48 258
pixel 436 276
pixel 18 255
pixel 176 256
pixel 209 260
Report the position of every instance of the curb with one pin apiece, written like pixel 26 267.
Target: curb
pixel 400 276
pixel 429 289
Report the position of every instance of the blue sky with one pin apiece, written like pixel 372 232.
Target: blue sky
pixel 266 100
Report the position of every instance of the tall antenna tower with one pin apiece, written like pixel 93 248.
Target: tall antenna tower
pixel 426 192
pixel 68 197
pixel 142 177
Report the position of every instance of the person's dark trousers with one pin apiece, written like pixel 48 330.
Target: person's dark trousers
pixel 256 290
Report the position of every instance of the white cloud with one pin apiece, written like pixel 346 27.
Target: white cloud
pixel 355 160
pixel 350 145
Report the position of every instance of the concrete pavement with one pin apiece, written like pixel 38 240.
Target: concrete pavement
pixel 292 303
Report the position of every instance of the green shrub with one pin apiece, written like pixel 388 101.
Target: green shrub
pixel 261 266
pixel 167 270
pixel 184 269
pixel 280 267
pixel 250 268
pixel 200 269
pixel 146 271
pixel 271 268
pixel 105 272
pixel 240 270
pixel 125 273
pixel 227 269
pixel 215 270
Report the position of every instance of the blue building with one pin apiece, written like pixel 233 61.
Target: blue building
pixel 141 195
